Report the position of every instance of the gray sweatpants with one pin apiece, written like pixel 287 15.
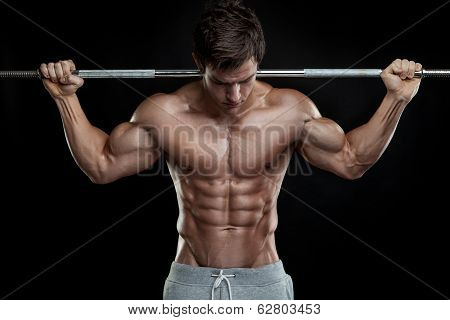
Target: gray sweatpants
pixel 269 282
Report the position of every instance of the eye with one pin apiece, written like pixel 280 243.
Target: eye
pixel 247 81
pixel 218 83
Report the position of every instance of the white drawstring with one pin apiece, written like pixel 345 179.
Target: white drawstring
pixel 218 281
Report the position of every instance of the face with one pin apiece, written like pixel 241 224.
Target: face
pixel 230 89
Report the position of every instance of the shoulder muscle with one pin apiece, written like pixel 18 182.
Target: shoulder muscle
pixel 291 98
pixel 157 109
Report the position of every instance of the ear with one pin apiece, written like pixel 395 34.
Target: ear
pixel 198 63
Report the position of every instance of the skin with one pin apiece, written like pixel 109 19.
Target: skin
pixel 227 181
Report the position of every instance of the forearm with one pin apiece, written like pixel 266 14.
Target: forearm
pixel 86 142
pixel 369 141
pixel 350 155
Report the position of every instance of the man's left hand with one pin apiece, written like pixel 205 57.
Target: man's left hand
pixel 399 78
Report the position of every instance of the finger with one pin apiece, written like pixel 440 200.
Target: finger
pixel 59 71
pixel 411 69
pixel 66 70
pixel 51 72
pixel 75 81
pixel 72 65
pixel 405 67
pixel 44 70
pixel 397 66
pixel 418 67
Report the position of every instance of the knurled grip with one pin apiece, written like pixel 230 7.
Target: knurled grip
pixel 20 74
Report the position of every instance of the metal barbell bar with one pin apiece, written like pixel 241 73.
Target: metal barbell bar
pixel 281 73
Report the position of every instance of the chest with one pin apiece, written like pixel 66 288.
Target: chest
pixel 239 149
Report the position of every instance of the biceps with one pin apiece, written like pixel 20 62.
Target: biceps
pixel 131 148
pixel 131 163
pixel 323 134
pixel 129 137
pixel 340 163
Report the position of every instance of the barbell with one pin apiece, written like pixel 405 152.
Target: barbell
pixel 280 73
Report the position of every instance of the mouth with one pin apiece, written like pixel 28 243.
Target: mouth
pixel 232 105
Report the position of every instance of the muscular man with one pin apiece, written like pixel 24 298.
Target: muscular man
pixel 227 139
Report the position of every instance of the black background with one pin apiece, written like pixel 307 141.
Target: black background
pixel 49 207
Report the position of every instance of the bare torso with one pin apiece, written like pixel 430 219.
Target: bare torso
pixel 228 163
pixel 228 174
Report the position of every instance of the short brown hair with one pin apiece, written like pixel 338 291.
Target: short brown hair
pixel 227 35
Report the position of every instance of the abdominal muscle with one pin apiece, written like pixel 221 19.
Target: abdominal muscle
pixel 227 223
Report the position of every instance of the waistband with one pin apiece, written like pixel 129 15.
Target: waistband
pixel 242 276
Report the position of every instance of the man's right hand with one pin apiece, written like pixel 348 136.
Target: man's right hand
pixel 59 80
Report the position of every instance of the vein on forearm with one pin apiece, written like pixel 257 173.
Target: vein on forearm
pixel 85 142
pixel 370 140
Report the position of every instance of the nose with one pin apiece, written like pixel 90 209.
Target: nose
pixel 234 93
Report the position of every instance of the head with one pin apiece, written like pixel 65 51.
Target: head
pixel 228 47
